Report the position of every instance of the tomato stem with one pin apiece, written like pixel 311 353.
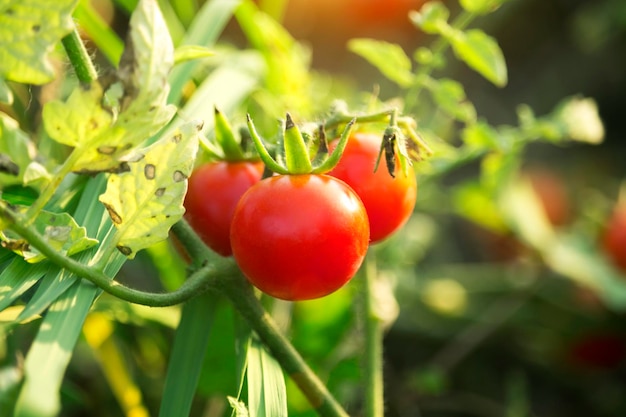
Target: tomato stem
pixel 374 389
pixel 79 57
pixel 201 280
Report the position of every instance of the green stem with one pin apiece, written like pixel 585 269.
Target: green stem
pixel 200 281
pixel 340 118
pixel 374 394
pixel 245 301
pixel 79 57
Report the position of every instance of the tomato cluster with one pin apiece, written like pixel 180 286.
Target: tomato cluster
pixel 300 236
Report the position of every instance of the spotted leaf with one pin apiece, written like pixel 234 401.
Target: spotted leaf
pixel 147 200
pixel 29 30
pixel 60 231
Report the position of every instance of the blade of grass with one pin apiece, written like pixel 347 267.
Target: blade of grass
pixel 204 31
pixel 52 348
pixel 267 394
pixel 190 342
pixel 17 278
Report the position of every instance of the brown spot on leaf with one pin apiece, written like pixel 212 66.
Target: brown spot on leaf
pixel 107 150
pixel 179 176
pixel 177 138
pixel 126 251
pixel 117 219
pixel 149 171
pixel 159 192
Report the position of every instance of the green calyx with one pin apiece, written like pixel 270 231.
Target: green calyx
pixel 294 151
pixel 225 145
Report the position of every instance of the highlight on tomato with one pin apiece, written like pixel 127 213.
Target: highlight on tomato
pixel 389 200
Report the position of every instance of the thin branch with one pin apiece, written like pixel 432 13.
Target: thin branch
pixel 79 57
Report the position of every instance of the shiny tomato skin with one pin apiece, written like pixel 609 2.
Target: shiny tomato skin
pixel 389 201
pixel 614 237
pixel 299 237
pixel 213 192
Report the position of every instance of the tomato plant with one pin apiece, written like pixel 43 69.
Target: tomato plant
pixel 389 200
pixel 614 236
pixel 214 190
pixel 299 237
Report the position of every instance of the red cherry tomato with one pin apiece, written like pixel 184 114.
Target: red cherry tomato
pixel 299 237
pixel 214 190
pixel 389 201
pixel 614 237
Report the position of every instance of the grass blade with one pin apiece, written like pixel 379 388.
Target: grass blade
pixel 190 343
pixel 17 278
pixel 204 31
pixel 267 395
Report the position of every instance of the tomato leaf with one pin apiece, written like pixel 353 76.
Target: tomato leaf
pixel 29 29
pixel 60 231
pixel 6 95
pixel 450 97
pixel 80 120
pixel 389 58
pixel 15 152
pixel 144 68
pixel 147 200
pixel 432 17
pixel 102 140
pixel 481 53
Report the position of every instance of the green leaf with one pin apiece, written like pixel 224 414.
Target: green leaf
pixel 6 95
pixel 17 278
pixel 80 121
pixel 29 29
pixel 481 6
pixel 389 58
pixel 148 199
pixel 16 152
pixel 144 67
pixel 450 97
pixel 480 135
pixel 481 53
pixel 209 22
pixel 287 61
pixel 190 346
pixel 267 394
pixel 190 52
pixel 432 17
pixel 60 231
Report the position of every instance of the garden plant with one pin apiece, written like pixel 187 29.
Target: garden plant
pixel 192 226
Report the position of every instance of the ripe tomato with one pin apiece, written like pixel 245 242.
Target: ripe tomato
pixel 214 190
pixel 614 237
pixel 299 237
pixel 389 201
